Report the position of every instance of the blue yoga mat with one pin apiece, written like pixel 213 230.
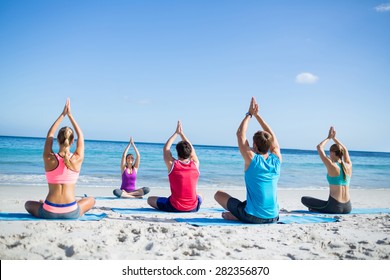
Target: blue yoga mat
pixel 106 198
pixel 354 211
pixel 117 198
pixel 27 217
pixel 290 219
pixel 114 198
pixel 155 211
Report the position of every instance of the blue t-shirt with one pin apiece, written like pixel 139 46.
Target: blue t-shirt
pixel 261 179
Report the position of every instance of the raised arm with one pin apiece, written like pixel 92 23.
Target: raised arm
pixel 168 158
pixel 80 136
pixel 275 148
pixel 183 137
pixel 124 154
pixel 48 158
pixel 321 150
pixel 138 156
pixel 242 141
pixel 347 159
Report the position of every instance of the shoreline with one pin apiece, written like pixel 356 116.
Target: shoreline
pixel 159 237
pixel 165 185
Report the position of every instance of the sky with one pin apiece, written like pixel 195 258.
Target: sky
pixel 136 67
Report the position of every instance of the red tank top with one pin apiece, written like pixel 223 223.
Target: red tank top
pixel 183 179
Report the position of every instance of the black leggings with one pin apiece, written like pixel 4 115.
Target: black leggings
pixel 331 206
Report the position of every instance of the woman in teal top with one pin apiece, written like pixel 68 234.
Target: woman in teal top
pixel 339 168
pixel 262 171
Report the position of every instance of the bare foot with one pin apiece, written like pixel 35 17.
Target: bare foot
pixel 229 216
pixel 128 195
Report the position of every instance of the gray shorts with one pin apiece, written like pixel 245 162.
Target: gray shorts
pixel 44 214
pixel 237 208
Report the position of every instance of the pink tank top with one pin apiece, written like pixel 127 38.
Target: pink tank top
pixel 128 180
pixel 61 174
pixel 183 179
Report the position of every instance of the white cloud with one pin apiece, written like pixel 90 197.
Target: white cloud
pixel 306 78
pixel 383 8
pixel 144 102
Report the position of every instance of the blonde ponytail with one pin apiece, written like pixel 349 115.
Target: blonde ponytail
pixel 65 138
pixel 339 151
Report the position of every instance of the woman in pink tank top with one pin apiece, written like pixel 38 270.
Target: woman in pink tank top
pixel 62 171
pixel 129 169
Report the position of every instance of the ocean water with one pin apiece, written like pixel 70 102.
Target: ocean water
pixel 221 167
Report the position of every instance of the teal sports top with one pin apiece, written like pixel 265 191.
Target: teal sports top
pixel 261 179
pixel 339 180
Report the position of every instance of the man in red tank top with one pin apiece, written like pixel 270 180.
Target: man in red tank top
pixel 183 174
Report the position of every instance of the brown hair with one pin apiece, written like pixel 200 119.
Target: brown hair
pixel 129 155
pixel 183 149
pixel 339 152
pixel 65 137
pixel 263 141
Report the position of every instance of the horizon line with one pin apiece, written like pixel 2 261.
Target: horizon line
pixel 199 145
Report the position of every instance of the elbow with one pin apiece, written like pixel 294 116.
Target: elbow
pixel 274 148
pixel 320 150
pixel 239 130
pixel 166 150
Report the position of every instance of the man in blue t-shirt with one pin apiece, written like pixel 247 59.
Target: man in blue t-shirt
pixel 262 172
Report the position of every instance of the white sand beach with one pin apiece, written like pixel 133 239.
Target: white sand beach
pixel 157 236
